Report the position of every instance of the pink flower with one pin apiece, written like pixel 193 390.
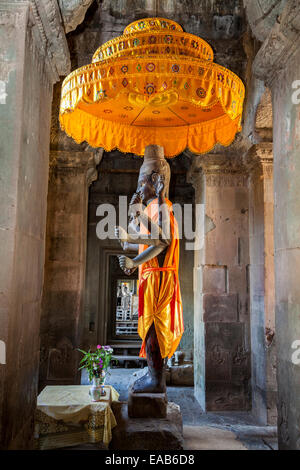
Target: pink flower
pixel 99 346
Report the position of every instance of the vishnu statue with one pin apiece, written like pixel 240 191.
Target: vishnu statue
pixel 153 232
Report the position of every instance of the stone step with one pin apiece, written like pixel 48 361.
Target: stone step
pixel 129 358
pixel 147 433
pixel 147 405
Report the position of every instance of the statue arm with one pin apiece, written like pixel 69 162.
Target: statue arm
pixel 147 240
pixel 151 252
pixel 129 246
pixel 157 238
pixel 133 240
pixel 158 244
pixel 127 264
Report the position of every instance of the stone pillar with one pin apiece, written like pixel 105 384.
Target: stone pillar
pixel 262 289
pixel 33 53
pixel 221 357
pixel 278 63
pixel 197 178
pixel 71 173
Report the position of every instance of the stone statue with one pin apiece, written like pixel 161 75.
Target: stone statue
pixel 154 233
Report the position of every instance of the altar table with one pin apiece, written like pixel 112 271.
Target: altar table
pixel 66 416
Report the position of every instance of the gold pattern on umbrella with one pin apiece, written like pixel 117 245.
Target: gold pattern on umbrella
pixel 153 85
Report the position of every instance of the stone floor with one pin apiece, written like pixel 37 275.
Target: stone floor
pixel 212 430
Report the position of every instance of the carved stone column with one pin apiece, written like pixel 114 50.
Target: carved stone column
pixel 197 178
pixel 33 51
pixel 262 289
pixel 221 325
pixel 71 173
pixel 278 64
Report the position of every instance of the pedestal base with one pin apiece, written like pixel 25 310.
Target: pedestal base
pixel 147 433
pixel 147 405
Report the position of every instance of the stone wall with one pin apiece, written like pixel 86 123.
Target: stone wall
pixel 278 64
pixel 26 77
pixel 61 321
pixel 222 321
pixel 222 24
pixel 262 288
pixel 287 254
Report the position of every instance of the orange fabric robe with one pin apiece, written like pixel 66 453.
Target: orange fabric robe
pixel 161 302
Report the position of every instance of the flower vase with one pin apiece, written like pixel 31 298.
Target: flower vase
pixel 97 390
pixel 102 381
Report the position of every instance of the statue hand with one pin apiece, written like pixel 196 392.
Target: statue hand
pixel 126 263
pixel 129 271
pixel 135 205
pixel 160 186
pixel 136 199
pixel 121 234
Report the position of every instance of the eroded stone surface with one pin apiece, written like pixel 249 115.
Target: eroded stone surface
pixel 147 433
pixel 73 12
pixel 25 111
pixel 262 15
pixel 70 177
pixel 221 287
pixel 147 405
pixel 182 375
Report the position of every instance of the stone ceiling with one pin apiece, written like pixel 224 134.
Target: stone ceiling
pixel 73 12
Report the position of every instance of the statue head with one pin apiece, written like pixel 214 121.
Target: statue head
pixel 154 164
pixel 146 187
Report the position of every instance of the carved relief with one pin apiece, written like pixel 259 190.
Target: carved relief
pixel 226 179
pixel 74 163
pixel 73 12
pixel 298 429
pixel 217 354
pixel 61 361
pixel 9 17
pixel 259 160
pixel 267 169
pixel 217 364
pixel 281 44
pixel 228 401
pixel 283 423
pixel 269 337
pixel 240 356
pixel 92 173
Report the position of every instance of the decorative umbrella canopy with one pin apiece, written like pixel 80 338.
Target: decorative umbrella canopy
pixel 153 85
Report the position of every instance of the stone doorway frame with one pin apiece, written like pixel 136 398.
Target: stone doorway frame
pixel 104 308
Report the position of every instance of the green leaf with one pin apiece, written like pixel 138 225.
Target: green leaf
pixel 82 351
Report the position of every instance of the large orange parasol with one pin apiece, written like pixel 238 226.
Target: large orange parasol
pixel 153 85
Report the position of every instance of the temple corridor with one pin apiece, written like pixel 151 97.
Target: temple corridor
pixel 235 375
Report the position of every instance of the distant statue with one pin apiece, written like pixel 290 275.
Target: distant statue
pixel 119 296
pixel 154 233
pixel 125 299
